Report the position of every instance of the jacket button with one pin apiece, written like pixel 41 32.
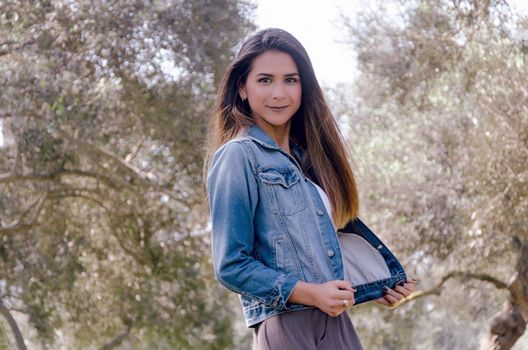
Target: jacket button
pixel 319 212
pixel 330 252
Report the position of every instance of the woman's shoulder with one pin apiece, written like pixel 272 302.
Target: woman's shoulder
pixel 234 153
pixel 234 147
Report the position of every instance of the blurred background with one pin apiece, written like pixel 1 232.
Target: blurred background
pixel 103 111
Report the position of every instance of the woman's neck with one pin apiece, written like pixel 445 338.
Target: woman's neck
pixel 279 134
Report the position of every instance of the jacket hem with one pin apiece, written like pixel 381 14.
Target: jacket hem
pixel 253 322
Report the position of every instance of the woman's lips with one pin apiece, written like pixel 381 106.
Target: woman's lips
pixel 278 108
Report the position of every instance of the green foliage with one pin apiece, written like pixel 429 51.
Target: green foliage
pixel 440 125
pixel 104 108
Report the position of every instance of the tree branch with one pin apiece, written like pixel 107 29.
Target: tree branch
pixel 118 339
pixel 135 151
pixel 137 173
pixel 147 179
pixel 437 290
pixel 512 128
pixel 121 243
pixel 9 50
pixel 64 193
pixel 18 225
pixel 17 159
pixel 10 178
pixel 115 229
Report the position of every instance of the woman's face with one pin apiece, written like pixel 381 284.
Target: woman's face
pixel 273 89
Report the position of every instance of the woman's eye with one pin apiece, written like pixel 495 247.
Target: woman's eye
pixel 291 80
pixel 264 80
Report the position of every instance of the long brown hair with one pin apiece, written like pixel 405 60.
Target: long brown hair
pixel 313 127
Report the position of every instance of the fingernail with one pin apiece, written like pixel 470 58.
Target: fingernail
pixel 386 288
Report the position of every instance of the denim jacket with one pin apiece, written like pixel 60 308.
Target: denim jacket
pixel 270 229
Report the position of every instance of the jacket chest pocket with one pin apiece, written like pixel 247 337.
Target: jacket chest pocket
pixel 284 190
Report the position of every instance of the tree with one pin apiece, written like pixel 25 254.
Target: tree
pixel 440 122
pixel 104 108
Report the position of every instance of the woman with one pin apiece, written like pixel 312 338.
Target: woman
pixel 279 184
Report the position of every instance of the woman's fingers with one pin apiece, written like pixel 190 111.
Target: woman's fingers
pixel 349 297
pixel 341 284
pixel 346 303
pixel 393 293
pixel 343 294
pixel 410 286
pixel 403 290
pixel 392 296
pixel 396 296
pixel 383 301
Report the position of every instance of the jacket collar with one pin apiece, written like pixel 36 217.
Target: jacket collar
pixel 254 132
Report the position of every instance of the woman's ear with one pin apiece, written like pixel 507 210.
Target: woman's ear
pixel 242 93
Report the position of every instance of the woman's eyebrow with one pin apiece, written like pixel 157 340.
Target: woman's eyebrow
pixel 286 75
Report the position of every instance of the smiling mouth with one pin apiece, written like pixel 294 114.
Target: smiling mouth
pixel 278 108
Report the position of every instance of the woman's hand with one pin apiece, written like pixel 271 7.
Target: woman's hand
pixel 395 297
pixel 334 297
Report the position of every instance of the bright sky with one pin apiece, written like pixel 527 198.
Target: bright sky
pixel 316 24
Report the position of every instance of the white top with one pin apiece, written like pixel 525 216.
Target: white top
pixel 326 202
pixel 362 263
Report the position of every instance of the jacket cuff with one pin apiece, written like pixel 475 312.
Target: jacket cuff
pixel 281 291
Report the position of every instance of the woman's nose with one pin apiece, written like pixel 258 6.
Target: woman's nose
pixel 278 92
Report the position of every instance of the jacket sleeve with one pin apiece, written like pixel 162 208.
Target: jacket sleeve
pixel 233 195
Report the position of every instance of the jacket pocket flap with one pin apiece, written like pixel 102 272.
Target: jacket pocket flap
pixel 283 177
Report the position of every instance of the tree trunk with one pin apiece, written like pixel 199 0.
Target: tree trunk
pixel 506 328
pixel 510 324
pixel 14 327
